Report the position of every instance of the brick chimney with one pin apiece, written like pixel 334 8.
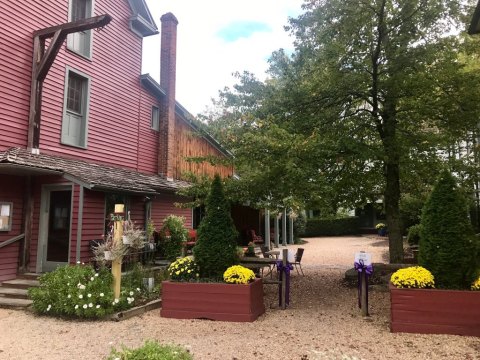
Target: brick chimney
pixel 168 54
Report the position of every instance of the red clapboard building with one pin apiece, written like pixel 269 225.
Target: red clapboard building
pixel 82 129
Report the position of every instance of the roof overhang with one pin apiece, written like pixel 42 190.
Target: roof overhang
pixel 141 21
pixel 97 177
pixel 21 170
pixel 474 27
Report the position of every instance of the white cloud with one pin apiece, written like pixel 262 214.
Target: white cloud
pixel 205 62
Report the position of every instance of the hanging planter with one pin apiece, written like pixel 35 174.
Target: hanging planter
pixel 108 255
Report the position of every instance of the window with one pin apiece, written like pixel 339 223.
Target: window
pixel 80 42
pixel 155 118
pixel 75 115
pixel 6 216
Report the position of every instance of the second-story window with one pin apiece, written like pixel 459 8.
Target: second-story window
pixel 155 118
pixel 75 115
pixel 80 42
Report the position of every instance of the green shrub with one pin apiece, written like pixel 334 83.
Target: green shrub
pixel 447 244
pixel 413 236
pixel 76 291
pixel 79 291
pixel 132 281
pixel 411 210
pixel 151 350
pixel 332 227
pixel 175 234
pixel 299 226
pixel 216 247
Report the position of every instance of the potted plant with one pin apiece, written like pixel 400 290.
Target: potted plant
pixel 381 229
pixel 230 293
pixel 109 250
pixel 133 236
pixel 449 250
pixel 175 235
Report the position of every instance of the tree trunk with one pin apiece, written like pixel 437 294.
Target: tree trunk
pixel 392 198
pixel 392 183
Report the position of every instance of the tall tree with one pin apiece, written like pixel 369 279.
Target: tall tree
pixel 371 93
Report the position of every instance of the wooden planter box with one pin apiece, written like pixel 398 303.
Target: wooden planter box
pixel 433 311
pixel 215 301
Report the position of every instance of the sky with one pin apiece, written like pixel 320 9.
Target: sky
pixel 216 38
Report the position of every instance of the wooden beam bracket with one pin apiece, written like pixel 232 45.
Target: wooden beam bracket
pixel 43 60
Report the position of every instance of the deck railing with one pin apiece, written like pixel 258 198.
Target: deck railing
pixel 12 240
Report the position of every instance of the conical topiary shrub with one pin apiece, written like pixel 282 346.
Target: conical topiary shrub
pixel 447 243
pixel 216 247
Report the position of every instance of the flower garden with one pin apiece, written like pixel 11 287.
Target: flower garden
pixel 440 296
pixel 82 291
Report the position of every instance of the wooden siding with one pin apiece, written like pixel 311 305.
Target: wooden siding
pixel 190 144
pixel 163 206
pixel 149 138
pixel 11 190
pixel 93 221
pixel 114 70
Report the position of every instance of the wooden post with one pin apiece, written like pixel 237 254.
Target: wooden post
pixel 363 297
pixel 284 279
pixel 267 229
pixel 117 239
pixel 277 230
pixel 284 227
pixel 291 230
pixel 28 208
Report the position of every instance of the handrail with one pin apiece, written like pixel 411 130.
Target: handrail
pixel 12 240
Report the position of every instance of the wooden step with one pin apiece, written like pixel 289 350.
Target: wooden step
pixel 13 293
pixel 29 276
pixel 20 283
pixel 14 303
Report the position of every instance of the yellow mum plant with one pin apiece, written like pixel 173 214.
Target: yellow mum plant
pixel 413 277
pixel 476 284
pixel 184 269
pixel 238 274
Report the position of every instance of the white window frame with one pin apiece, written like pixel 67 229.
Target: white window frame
pixel 85 113
pixel 89 33
pixel 6 219
pixel 155 123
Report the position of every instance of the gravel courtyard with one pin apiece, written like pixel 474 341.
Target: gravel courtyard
pixel 322 322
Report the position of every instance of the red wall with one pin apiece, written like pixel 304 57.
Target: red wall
pixel 163 206
pixel 113 126
pixel 93 221
pixel 149 138
pixel 11 190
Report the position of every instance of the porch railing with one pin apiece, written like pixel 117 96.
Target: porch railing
pixel 12 240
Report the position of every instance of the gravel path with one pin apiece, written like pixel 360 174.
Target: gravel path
pixel 322 322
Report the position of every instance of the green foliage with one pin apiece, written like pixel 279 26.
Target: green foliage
pixel 175 234
pixel 151 350
pixel 448 247
pixel 411 209
pixel 359 110
pixel 75 291
pixel 414 234
pixel 133 281
pixel 184 269
pixel 216 247
pixel 332 226
pixel 299 226
pixel 78 291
